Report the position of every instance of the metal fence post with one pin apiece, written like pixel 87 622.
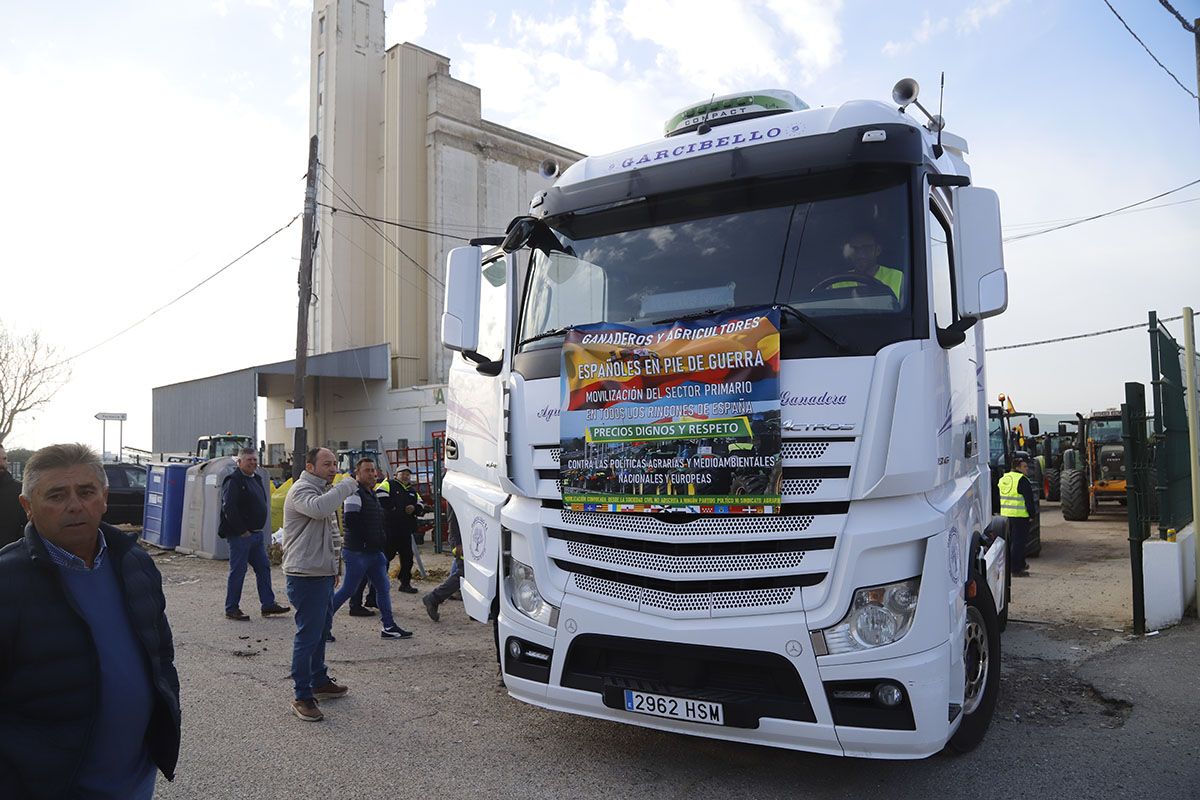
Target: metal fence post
pixel 1133 424
pixel 1193 425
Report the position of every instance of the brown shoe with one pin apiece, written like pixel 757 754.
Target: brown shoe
pixel 307 710
pixel 329 691
pixel 275 608
pixel 237 615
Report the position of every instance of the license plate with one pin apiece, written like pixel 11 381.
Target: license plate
pixel 675 707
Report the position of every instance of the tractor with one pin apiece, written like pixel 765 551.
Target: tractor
pixel 1093 465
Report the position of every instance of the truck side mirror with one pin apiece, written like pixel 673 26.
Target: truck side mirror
pixel 460 317
pixel 982 284
pixel 1034 426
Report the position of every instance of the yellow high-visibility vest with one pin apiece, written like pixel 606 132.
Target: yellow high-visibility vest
pixel 1012 504
pixel 892 278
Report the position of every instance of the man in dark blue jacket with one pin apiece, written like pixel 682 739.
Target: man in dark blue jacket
pixel 89 696
pixel 245 510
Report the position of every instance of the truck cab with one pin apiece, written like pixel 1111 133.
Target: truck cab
pixel 844 598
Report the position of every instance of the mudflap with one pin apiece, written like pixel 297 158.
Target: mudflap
pixel 994 568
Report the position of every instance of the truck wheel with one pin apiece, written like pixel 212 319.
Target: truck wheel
pixel 1074 493
pixel 981 659
pixel 1052 476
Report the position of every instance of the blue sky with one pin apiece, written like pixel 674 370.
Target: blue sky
pixel 151 142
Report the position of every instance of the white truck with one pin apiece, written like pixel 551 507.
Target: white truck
pixel 787 539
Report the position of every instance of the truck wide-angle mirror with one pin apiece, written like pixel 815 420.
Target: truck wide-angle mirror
pixel 460 317
pixel 979 265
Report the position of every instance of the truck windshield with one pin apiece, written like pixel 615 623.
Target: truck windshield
pixel 836 247
pixel 1105 431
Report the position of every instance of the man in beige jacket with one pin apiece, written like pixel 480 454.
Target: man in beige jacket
pixel 310 562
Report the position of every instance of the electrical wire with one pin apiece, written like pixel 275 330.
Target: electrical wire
pixel 170 303
pixel 1045 222
pixel 346 327
pixel 398 275
pixel 1078 336
pixel 1102 214
pixel 405 226
pixel 1147 49
pixel 1187 26
pixel 374 226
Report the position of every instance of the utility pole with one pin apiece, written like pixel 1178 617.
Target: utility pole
pixel 306 254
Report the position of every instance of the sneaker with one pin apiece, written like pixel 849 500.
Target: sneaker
pixel 274 609
pixel 406 589
pixel 237 614
pixel 1021 573
pixel 370 604
pixel 394 631
pixel 430 607
pixel 307 710
pixel 330 691
pixel 330 638
pixel 361 611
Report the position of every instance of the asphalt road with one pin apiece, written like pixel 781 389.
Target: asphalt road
pixel 1083 715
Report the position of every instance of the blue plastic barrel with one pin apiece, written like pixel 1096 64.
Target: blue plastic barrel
pixel 163 519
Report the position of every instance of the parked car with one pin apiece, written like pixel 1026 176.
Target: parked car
pixel 126 493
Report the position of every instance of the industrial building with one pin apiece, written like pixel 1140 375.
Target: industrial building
pixel 408 170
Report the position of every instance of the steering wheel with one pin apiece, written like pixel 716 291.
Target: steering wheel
pixel 870 282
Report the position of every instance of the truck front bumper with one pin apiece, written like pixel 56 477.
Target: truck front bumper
pixel 773 642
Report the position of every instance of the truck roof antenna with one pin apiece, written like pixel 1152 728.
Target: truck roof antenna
pixel 703 127
pixel 939 121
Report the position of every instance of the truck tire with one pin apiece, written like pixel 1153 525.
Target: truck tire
pixel 1052 476
pixel 1074 493
pixel 981 662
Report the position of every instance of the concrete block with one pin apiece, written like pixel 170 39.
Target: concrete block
pixel 1162 572
pixel 1187 543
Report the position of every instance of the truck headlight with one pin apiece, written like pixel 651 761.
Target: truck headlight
pixel 522 588
pixel 878 615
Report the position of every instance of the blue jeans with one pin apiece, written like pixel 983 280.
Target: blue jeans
pixel 310 597
pixel 373 565
pixel 242 550
pixel 451 585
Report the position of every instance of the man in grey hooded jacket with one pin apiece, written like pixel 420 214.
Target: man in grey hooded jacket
pixel 310 562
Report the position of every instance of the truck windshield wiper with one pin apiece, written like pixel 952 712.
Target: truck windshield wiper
pixel 783 307
pixel 546 335
pixel 810 322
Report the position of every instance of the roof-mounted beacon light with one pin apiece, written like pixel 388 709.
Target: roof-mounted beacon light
pixel 733 108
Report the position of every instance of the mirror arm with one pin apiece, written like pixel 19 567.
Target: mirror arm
pixel 956 333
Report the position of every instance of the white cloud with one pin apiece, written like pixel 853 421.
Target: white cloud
pixel 555 33
pixel 407 21
pixel 601 46
pixel 970 20
pixel 716 47
pixel 815 25
pixel 926 31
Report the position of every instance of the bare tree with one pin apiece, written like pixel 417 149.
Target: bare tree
pixel 31 371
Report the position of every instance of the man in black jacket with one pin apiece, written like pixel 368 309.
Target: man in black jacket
pixel 12 516
pixel 245 510
pixel 89 696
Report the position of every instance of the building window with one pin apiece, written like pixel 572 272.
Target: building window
pixel 321 26
pixel 320 80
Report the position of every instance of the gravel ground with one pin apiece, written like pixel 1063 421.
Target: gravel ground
pixel 1083 713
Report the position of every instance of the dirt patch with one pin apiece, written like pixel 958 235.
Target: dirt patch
pixel 1035 692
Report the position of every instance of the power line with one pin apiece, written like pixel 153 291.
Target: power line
pixel 1078 336
pixel 1147 49
pixel 1116 213
pixel 130 327
pixel 375 227
pixel 1103 214
pixel 1187 26
pixel 405 226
